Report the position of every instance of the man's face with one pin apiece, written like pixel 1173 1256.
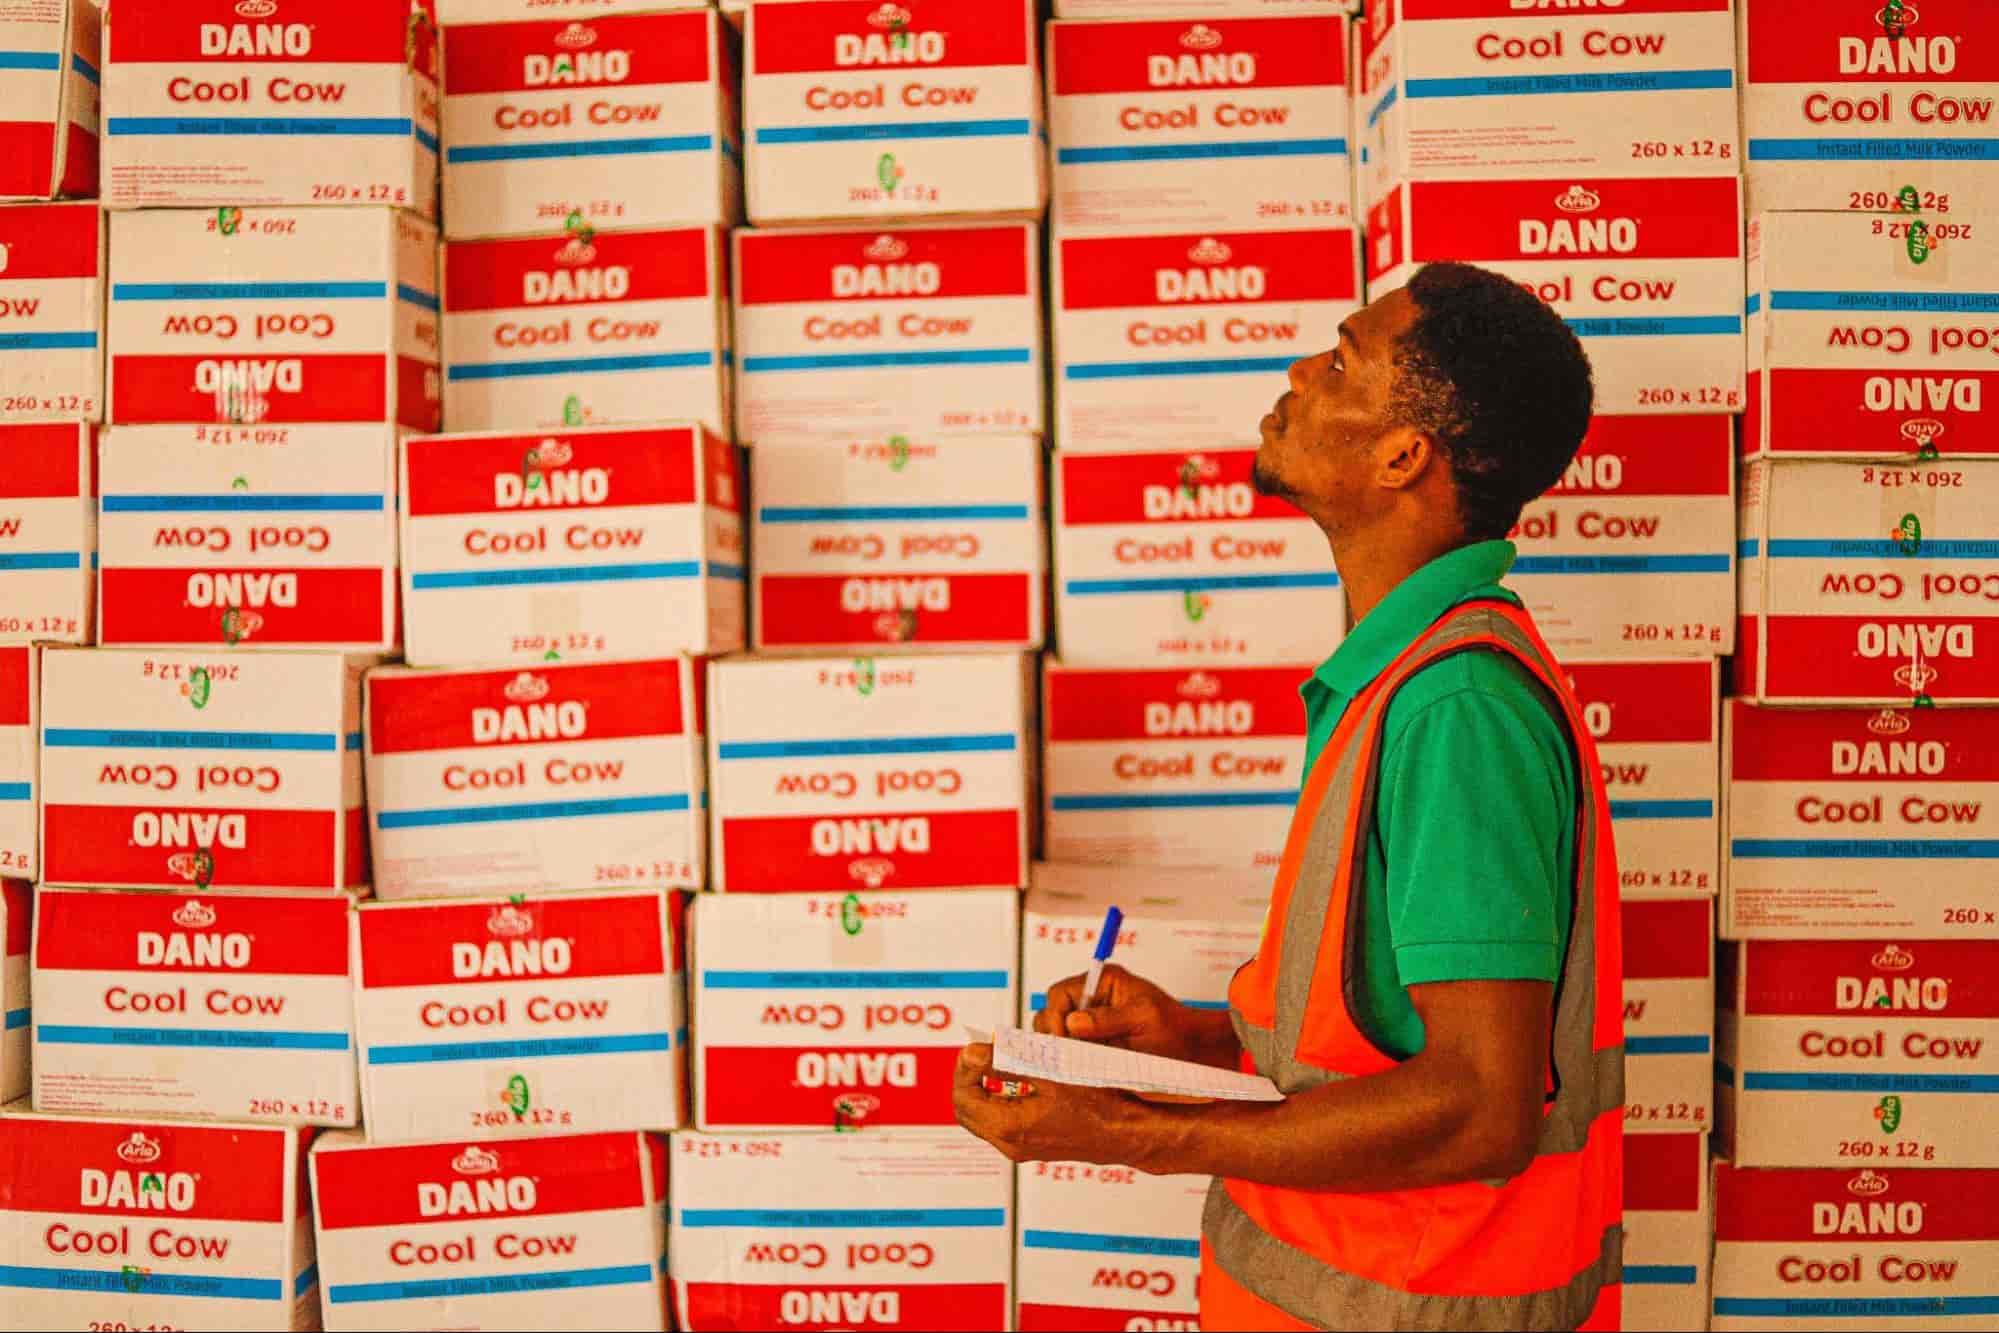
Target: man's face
pixel 1315 439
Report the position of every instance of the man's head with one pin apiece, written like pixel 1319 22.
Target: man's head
pixel 1448 403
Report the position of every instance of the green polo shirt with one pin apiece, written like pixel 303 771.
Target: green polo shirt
pixel 1471 860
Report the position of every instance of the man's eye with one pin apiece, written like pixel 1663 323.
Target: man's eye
pixel 1339 363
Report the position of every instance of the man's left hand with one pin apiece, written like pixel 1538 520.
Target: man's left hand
pixel 1055 1122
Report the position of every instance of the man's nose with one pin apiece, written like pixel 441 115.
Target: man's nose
pixel 1302 370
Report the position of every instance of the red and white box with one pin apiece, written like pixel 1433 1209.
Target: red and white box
pixel 453 13
pixel 1129 754
pixel 844 1010
pixel 20 755
pixel 233 1006
pixel 1657 728
pixel 1868 582
pixel 49 102
pixel 209 104
pixel 863 334
pixel 830 774
pixel 615 120
pixel 48 532
pixel 587 329
pixel 1162 339
pixel 603 542
pixel 1793 1249
pixel 1845 107
pixel 17 898
pixel 560 777
pixel 501 1018
pixel 1456 89
pixel 1180 125
pixel 1116 9
pixel 266 316
pixel 834 1230
pixel 565 1229
pixel 149 1223
pixel 1667 1225
pixel 1858 349
pixel 1830 1051
pixel 174 768
pixel 1175 557
pixel 266 536
pixel 51 311
pixel 1852 823
pixel 896 543
pixel 1668 1015
pixel 1629 553
pixel 1647 272
pixel 880 108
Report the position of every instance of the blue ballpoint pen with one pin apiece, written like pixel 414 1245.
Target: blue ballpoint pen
pixel 1106 941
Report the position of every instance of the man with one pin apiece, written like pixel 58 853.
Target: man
pixel 1438 987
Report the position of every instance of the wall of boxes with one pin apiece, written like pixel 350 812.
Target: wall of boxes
pixel 563 564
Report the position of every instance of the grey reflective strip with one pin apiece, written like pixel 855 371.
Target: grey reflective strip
pixel 1309 1289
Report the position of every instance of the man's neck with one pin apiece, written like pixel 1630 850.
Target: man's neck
pixel 1373 564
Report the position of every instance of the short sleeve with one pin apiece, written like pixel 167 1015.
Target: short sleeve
pixel 1477 820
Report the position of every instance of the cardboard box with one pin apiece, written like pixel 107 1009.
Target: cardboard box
pixel 170 769
pixel 321 101
pixel 561 118
pixel 455 12
pixel 1187 126
pixel 1112 9
pixel 236 1006
pixel 1107 1247
pixel 1459 89
pixel 1657 728
pixel 51 311
pixel 1843 108
pixel 830 774
pixel 602 542
pixel 858 109
pixel 1836 1052
pixel 1668 1015
pixel 554 1232
pixel 1827 810
pixel 1647 272
pixel 1129 753
pixel 17 898
pixel 1865 583
pixel 841 1231
pixel 1796 1248
pixel 267 536
pixel 939 544
pixel 817 1010
pixel 586 329
pixel 1175 557
pixel 49 104
pixel 145 1223
pixel 1667 1221
pixel 1629 554
pixel 20 755
pixel 501 1018
pixel 48 532
pixel 836 329
pixel 1162 339
pixel 265 316
pixel 1870 336
pixel 567 775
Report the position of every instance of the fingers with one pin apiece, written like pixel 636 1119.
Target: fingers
pixel 1105 1023
pixel 974 1063
pixel 1062 999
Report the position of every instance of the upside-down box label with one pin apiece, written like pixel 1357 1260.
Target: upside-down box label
pixel 1668 1015
pixel 17 898
pixel 561 1229
pixel 819 1011
pixel 170 769
pixel 898 542
pixel 1107 1248
pixel 879 773
pixel 20 756
pixel 273 316
pixel 49 102
pixel 1667 1231
pixel 237 1006
pixel 528 781
pixel 504 1018
pixel 1657 728
pixel 48 532
pixel 51 310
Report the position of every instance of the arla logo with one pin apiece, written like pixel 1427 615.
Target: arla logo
pixel 256 9
pixel 576 36
pixel 509 922
pixel 1200 65
pixel 891 44
pixel 549 453
pixel 476 1161
pixel 1200 685
pixel 1208 250
pixel 1893 958
pixel 139 1150
pixel 1868 1184
pixel 1578 199
pixel 576 250
pixel 1578 235
pixel 1920 431
pixel 1888 722
pixel 1211 281
pixel 526 688
pixel 1200 37
pixel 872 871
pixel 194 914
pixel 192 866
pixel 885 247
pixel 893 17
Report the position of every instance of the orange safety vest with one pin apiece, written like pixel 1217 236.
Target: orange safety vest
pixel 1543 1250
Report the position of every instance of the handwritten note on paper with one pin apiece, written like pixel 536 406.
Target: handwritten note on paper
pixel 1089 1065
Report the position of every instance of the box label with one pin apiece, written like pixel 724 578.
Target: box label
pixel 51 311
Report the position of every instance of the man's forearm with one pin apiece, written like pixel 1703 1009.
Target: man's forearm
pixel 1213 1039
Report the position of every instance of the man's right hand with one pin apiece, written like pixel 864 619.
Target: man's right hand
pixel 1131 1012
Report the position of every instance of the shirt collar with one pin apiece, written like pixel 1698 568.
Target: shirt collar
pixel 1411 607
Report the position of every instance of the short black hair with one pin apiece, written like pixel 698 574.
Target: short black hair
pixel 1500 382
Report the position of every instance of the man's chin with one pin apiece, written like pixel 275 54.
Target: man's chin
pixel 1267 482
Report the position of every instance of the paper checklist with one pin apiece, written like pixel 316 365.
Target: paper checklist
pixel 1090 1065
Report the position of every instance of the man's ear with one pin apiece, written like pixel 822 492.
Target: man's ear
pixel 1403 457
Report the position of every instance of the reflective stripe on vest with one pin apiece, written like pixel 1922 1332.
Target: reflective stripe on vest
pixel 1324 859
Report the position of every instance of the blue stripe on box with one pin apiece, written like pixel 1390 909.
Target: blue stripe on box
pixel 207 126
pixel 1178 800
pixel 1518 85
pixel 86 69
pixel 721 569
pixel 1874 150
pixel 1873 1307
pixel 427 1289
pixel 353 739
pixel 1659 1275
pixel 248 291
pixel 16 1019
pixel 1902 303
pixel 508 578
pixel 789 1219
pixel 1662 809
pixel 1123 370
pixel 1692 1044
pixel 529 810
pixel 1090 1242
pixel 1194 152
pixel 1622 564
pixel 43 560
pixel 1866 849
pixel 855 980
pixel 1749 550
pixel 909 129
pixel 47 342
pixel 887 513
pixel 128 1282
pixel 519 152
pixel 238 503
pixel 128 739
pixel 1218 583
pixel 1039 1001
pixel 1756 1081
pixel 1881 548
pixel 998 742
pixel 426 138
pixel 1752 303
pixel 1656 327
pixel 445 1052
pixel 425 300
pixel 993 356
pixel 64 1034
pixel 17 791
pixel 578 365
pixel 1381 109
pixel 306 1280
pixel 24 60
